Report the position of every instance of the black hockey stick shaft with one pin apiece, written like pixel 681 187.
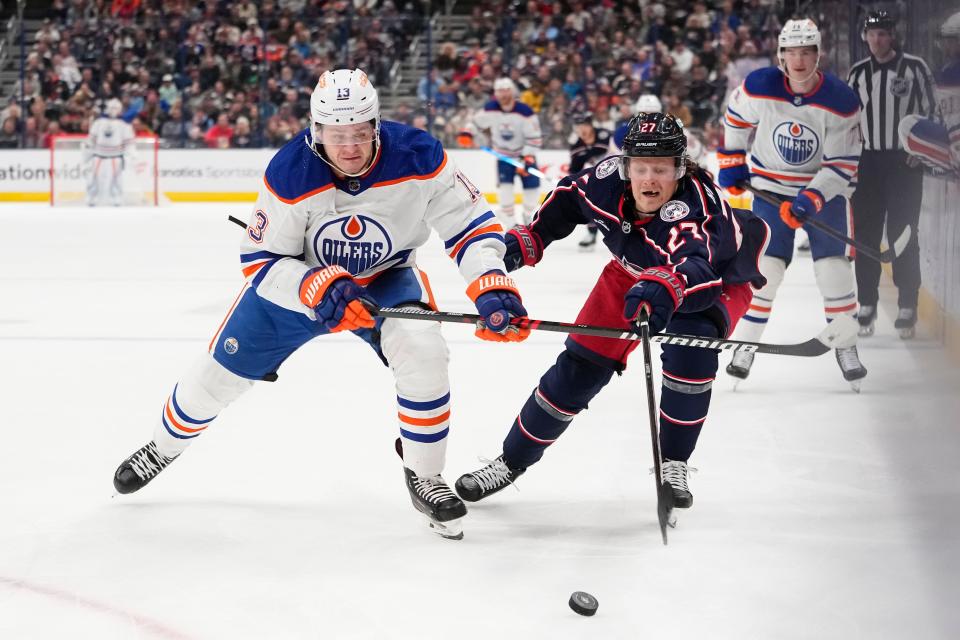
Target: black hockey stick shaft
pixel 237 221
pixel 664 491
pixel 812 347
pixel 883 256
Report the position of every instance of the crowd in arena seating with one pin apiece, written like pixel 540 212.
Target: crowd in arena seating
pixel 239 73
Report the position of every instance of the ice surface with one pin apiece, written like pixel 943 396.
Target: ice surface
pixel 818 513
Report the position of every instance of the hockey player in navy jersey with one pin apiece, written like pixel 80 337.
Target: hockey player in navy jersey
pixel 591 146
pixel 801 128
pixel 342 210
pixel 514 131
pixel 679 252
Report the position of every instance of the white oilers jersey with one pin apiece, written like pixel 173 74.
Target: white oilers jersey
pixel 109 137
pixel 809 141
pixel 305 217
pixel 514 133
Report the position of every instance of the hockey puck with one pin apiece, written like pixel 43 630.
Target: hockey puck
pixel 583 603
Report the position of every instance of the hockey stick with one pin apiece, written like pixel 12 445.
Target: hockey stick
pixel 519 165
pixel 237 221
pixel 664 490
pixel 883 256
pixel 839 332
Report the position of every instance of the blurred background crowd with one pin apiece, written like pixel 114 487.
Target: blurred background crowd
pixel 219 73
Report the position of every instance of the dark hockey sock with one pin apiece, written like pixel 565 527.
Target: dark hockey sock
pixel 685 395
pixel 565 390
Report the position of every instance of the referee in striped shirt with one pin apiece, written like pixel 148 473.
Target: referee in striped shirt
pixel 891 84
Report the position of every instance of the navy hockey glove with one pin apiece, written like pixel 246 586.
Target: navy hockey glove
pixel 498 301
pixel 336 298
pixel 807 203
pixel 524 248
pixel 660 292
pixel 733 170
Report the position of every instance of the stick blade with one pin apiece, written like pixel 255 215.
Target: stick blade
pixel 840 333
pixel 664 507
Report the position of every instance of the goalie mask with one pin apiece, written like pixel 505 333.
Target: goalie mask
pixel 655 135
pixel 344 97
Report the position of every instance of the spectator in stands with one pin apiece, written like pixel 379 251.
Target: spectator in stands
pixel 219 135
pixel 429 87
pixel 9 138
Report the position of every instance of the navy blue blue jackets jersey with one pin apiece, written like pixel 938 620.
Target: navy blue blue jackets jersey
pixel 695 234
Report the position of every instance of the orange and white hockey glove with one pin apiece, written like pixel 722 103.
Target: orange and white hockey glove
pixel 498 301
pixel 336 298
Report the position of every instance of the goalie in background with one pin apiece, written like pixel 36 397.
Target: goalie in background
pixel 109 146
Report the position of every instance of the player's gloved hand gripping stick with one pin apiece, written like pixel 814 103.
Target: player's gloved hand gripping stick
pixel 807 216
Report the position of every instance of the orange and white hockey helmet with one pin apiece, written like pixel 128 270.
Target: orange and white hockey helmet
pixel 343 97
pixel 798 33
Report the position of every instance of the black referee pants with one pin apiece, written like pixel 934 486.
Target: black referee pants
pixel 888 191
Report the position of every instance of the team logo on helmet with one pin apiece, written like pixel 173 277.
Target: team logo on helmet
pixel 355 242
pixel 795 142
pixel 674 210
pixel 608 166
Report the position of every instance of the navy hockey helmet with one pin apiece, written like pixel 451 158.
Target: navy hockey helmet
pixel 879 20
pixel 655 135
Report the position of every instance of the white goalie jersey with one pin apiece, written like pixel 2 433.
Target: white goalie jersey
pixel 110 138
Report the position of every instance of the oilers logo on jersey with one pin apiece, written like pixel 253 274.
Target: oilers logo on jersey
pixel 795 142
pixel 505 131
pixel 356 242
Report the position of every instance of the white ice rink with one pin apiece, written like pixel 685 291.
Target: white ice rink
pixel 818 513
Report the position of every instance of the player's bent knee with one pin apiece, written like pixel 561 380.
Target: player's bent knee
pixel 416 352
pixel 574 381
pixel 209 384
pixel 834 276
pixel 773 270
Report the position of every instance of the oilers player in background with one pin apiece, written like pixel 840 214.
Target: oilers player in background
pixel 341 212
pixel 592 145
pixel 109 146
pixel 936 142
pixel 513 130
pixel 801 128
pixel 679 252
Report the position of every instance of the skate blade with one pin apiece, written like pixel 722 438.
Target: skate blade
pixel 672 519
pixel 855 385
pixel 451 530
pixel 865 332
pixel 908 334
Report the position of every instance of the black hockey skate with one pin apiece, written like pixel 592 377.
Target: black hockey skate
pixel 867 318
pixel 487 480
pixel 674 473
pixel 140 468
pixel 906 323
pixel 433 498
pixel 739 367
pixel 853 370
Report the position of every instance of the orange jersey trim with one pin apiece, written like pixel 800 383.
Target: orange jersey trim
pixel 495 227
pixel 780 176
pixel 177 424
pixel 433 174
pixel 298 198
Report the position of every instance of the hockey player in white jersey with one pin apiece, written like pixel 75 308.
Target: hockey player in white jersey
pixel 514 131
pixel 109 147
pixel 800 128
pixel 341 212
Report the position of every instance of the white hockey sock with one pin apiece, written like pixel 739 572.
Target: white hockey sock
pixel 751 326
pixel 531 201
pixel 418 357
pixel 836 282
pixel 196 400
pixel 506 200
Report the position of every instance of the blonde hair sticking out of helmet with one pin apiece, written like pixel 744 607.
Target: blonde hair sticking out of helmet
pixel 798 33
pixel 343 97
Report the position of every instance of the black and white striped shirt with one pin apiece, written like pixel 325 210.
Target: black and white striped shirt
pixel 888 92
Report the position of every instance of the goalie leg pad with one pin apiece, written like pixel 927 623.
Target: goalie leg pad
pixel 835 280
pixel 204 390
pixel 757 315
pixel 417 354
pixel 564 391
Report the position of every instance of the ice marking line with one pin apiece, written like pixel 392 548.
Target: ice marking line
pixel 59 595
